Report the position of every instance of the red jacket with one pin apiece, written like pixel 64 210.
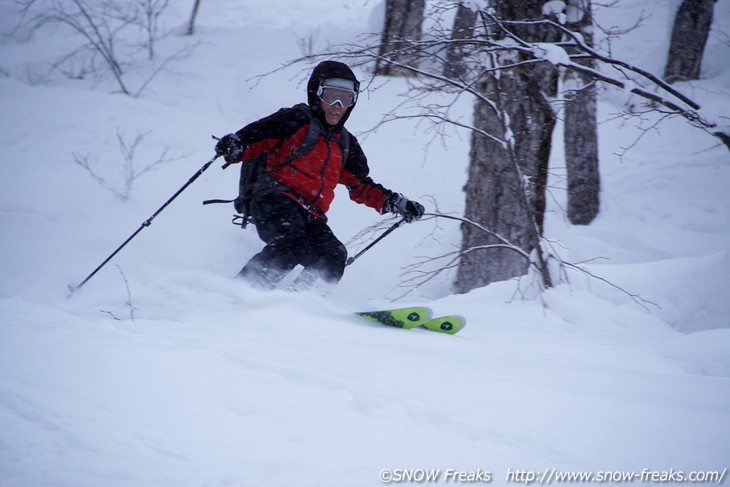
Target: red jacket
pixel 314 176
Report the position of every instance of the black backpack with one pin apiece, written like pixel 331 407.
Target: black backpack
pixel 253 169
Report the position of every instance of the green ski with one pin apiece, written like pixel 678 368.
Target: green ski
pixel 446 324
pixel 399 318
pixel 415 316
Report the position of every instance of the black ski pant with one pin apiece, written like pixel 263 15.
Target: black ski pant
pixel 292 236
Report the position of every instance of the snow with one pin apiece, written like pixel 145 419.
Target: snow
pixel 551 53
pixel 216 384
pixel 553 7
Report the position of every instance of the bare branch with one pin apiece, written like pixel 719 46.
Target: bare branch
pixel 634 297
pixel 103 30
pixel 131 171
pixel 505 243
pixel 416 276
pixel 129 295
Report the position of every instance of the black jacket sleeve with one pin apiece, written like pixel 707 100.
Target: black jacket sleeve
pixel 355 175
pixel 279 125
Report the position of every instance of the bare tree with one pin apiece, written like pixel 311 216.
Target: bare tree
pixel 131 169
pixel 108 31
pixel 505 191
pixel 193 15
pixel 403 21
pixel 689 36
pixel 97 25
pixel 580 133
pixel 524 14
pixel 511 127
pixel 463 28
pixel 148 19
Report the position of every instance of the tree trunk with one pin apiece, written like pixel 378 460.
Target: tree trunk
pixel 505 191
pixel 689 36
pixel 496 197
pixel 580 135
pixel 545 73
pixel 191 23
pixel 463 29
pixel 403 20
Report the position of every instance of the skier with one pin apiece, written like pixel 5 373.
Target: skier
pixel 296 186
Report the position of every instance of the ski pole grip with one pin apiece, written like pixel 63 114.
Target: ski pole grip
pixel 227 163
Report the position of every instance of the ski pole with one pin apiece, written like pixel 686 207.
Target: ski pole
pixel 146 223
pixel 385 234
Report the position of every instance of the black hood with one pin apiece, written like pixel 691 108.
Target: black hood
pixel 323 71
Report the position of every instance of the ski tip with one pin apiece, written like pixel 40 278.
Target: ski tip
pixel 451 324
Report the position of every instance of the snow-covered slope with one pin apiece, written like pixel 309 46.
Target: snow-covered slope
pixel 216 384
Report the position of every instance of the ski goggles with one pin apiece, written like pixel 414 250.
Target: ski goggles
pixel 334 94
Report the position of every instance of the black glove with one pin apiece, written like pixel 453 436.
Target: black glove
pixel 231 147
pixel 399 204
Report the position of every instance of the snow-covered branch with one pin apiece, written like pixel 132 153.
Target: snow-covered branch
pixel 488 55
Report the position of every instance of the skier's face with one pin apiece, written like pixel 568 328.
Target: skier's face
pixel 333 113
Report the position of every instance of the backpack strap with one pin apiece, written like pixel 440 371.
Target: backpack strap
pixel 315 129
